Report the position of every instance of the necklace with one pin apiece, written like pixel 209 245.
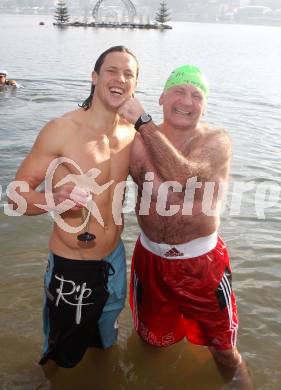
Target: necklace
pixel 86 236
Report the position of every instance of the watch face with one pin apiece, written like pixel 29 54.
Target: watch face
pixel 145 118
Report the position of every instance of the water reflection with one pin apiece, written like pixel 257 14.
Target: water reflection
pixel 138 366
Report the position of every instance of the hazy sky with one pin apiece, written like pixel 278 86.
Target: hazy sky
pixel 154 4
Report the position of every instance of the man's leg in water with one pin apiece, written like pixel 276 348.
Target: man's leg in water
pixel 233 368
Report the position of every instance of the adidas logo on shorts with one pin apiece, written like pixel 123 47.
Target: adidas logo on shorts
pixel 173 252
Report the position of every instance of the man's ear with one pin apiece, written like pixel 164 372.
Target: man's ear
pixel 94 77
pixel 161 99
pixel 204 108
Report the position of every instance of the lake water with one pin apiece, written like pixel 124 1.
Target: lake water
pixel 54 66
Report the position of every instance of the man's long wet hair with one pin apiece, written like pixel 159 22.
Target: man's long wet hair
pixel 121 49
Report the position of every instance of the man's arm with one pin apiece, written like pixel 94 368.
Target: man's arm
pixel 208 164
pixel 12 83
pixel 47 147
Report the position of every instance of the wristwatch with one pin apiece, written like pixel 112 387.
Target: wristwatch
pixel 144 118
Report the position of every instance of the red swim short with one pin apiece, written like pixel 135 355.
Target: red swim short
pixel 176 298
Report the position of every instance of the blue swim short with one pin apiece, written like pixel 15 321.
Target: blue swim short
pixel 82 301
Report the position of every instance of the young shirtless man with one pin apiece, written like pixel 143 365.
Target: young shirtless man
pixel 85 282
pixel 181 274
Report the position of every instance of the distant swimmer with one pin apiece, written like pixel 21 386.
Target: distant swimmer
pixel 7 83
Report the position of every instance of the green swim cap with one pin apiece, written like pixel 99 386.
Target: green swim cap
pixel 188 74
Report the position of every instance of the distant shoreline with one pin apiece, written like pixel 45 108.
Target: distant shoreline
pixel 249 21
pixel 115 25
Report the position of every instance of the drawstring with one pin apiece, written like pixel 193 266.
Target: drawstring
pixel 108 270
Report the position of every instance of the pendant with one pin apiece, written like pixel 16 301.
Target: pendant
pixel 86 237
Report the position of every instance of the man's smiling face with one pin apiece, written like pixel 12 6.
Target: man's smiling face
pixel 183 105
pixel 116 80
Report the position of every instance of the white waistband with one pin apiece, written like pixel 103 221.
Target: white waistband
pixel 197 247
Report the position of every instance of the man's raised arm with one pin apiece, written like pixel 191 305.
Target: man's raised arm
pixel 212 163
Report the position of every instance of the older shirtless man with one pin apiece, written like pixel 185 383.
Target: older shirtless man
pixel 88 152
pixel 181 274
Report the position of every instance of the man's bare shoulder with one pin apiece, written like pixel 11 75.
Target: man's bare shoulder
pixel 51 138
pixel 58 126
pixel 72 119
pixel 216 137
pixel 215 131
pixel 73 115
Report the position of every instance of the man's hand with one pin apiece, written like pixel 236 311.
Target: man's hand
pixel 131 110
pixel 71 198
pixel 12 83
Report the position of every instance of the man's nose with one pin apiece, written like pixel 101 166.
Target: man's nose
pixel 121 77
pixel 187 98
